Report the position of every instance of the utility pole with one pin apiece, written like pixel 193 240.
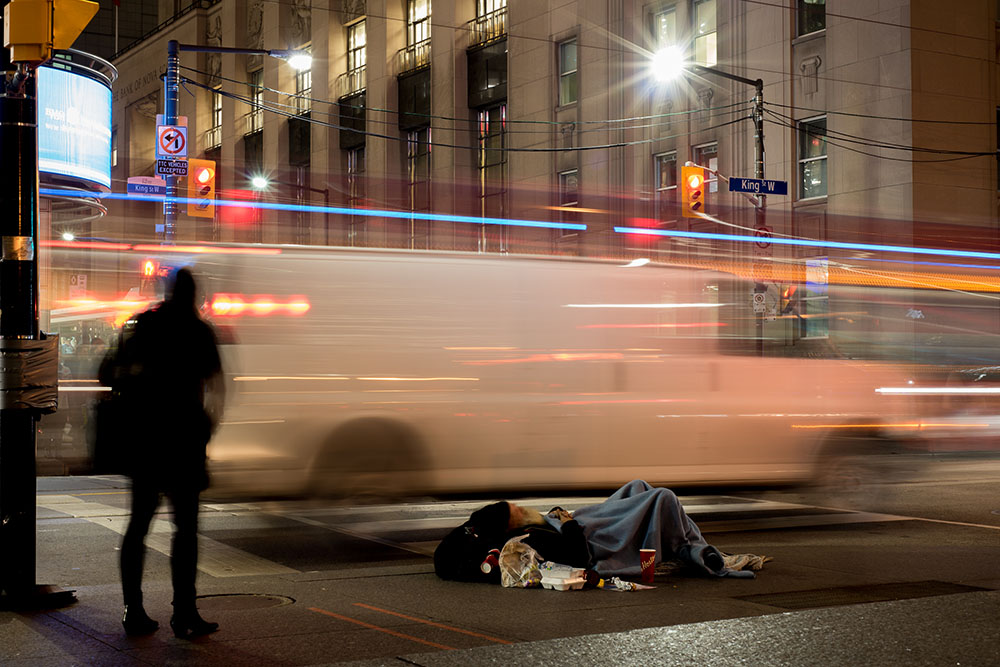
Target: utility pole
pixel 28 359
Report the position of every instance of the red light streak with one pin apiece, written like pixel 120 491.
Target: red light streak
pixel 683 325
pixel 199 249
pixel 85 245
pixel 261 305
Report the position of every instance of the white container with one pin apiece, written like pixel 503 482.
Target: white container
pixel 561 584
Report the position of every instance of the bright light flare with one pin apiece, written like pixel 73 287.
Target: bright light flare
pixel 668 63
pixel 258 182
pixel 68 236
pixel 300 61
pixel 695 181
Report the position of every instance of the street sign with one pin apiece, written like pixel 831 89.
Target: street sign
pixel 171 141
pixel 758 186
pixel 763 235
pixel 78 285
pixel 146 186
pixel 172 167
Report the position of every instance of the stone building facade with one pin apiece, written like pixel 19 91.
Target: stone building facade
pixel 517 110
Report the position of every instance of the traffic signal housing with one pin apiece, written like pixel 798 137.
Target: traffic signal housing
pixel 692 191
pixel 201 188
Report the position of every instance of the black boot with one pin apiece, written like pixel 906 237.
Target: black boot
pixel 189 624
pixel 136 622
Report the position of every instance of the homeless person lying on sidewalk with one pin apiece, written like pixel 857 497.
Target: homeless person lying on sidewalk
pixel 605 538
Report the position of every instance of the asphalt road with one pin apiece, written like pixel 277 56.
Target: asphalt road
pixel 361 577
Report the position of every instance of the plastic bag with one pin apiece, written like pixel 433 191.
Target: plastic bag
pixel 519 565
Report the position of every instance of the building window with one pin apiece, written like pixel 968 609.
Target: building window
pixel 493 165
pixel 356 228
pixel 418 162
pixel 568 86
pixel 418 22
pixel 302 218
pixel 665 168
pixel 707 156
pixel 705 52
pixel 213 137
pixel 812 158
pixel 665 28
pixel 357 40
pixel 811 16
pixel 255 93
pixel 303 91
pixel 569 197
pixel 114 145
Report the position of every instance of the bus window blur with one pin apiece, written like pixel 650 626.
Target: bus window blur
pixel 384 373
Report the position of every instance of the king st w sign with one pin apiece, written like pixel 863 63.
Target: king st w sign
pixel 758 186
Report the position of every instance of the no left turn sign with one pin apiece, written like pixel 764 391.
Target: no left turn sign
pixel 171 141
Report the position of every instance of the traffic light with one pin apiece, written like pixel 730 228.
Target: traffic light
pixel 201 188
pixel 149 277
pixel 692 191
pixel 33 28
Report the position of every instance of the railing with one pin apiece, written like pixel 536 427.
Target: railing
pixel 253 121
pixel 213 137
pixel 413 57
pixel 352 82
pixel 488 27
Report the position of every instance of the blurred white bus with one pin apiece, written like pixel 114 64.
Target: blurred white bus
pixel 363 372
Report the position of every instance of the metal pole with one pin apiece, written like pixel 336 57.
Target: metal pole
pixel 326 213
pixel 759 216
pixel 171 82
pixel 18 321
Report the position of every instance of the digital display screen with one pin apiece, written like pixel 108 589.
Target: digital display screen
pixel 74 126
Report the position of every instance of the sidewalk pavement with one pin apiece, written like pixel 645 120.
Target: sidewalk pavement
pixel 308 622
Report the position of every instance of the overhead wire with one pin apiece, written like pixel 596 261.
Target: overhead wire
pixel 281 112
pixel 877 117
pixel 876 155
pixel 671 114
pixel 873 143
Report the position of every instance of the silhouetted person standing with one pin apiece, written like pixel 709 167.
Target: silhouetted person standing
pixel 169 376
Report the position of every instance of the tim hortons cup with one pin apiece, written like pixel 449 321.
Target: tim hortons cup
pixel 647 558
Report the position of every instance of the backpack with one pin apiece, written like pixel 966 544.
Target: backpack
pixel 461 553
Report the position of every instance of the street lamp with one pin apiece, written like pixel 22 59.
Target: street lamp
pixel 261 183
pixel 171 83
pixel 669 63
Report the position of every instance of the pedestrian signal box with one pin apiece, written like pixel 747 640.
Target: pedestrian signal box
pixel 692 191
pixel 201 188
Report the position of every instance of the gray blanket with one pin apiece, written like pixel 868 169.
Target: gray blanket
pixel 639 516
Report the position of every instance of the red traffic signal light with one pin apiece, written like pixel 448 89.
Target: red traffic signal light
pixel 201 188
pixel 692 191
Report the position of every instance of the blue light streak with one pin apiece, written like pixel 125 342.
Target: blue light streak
pixel 336 210
pixel 742 238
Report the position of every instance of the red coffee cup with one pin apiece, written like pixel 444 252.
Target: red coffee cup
pixel 647 558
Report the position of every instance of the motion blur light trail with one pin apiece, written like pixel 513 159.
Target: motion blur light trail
pixel 337 210
pixel 745 238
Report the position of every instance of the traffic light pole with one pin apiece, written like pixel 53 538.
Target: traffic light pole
pixel 171 82
pixel 28 361
pixel 758 167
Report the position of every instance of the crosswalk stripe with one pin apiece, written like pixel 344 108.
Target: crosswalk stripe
pixel 214 558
